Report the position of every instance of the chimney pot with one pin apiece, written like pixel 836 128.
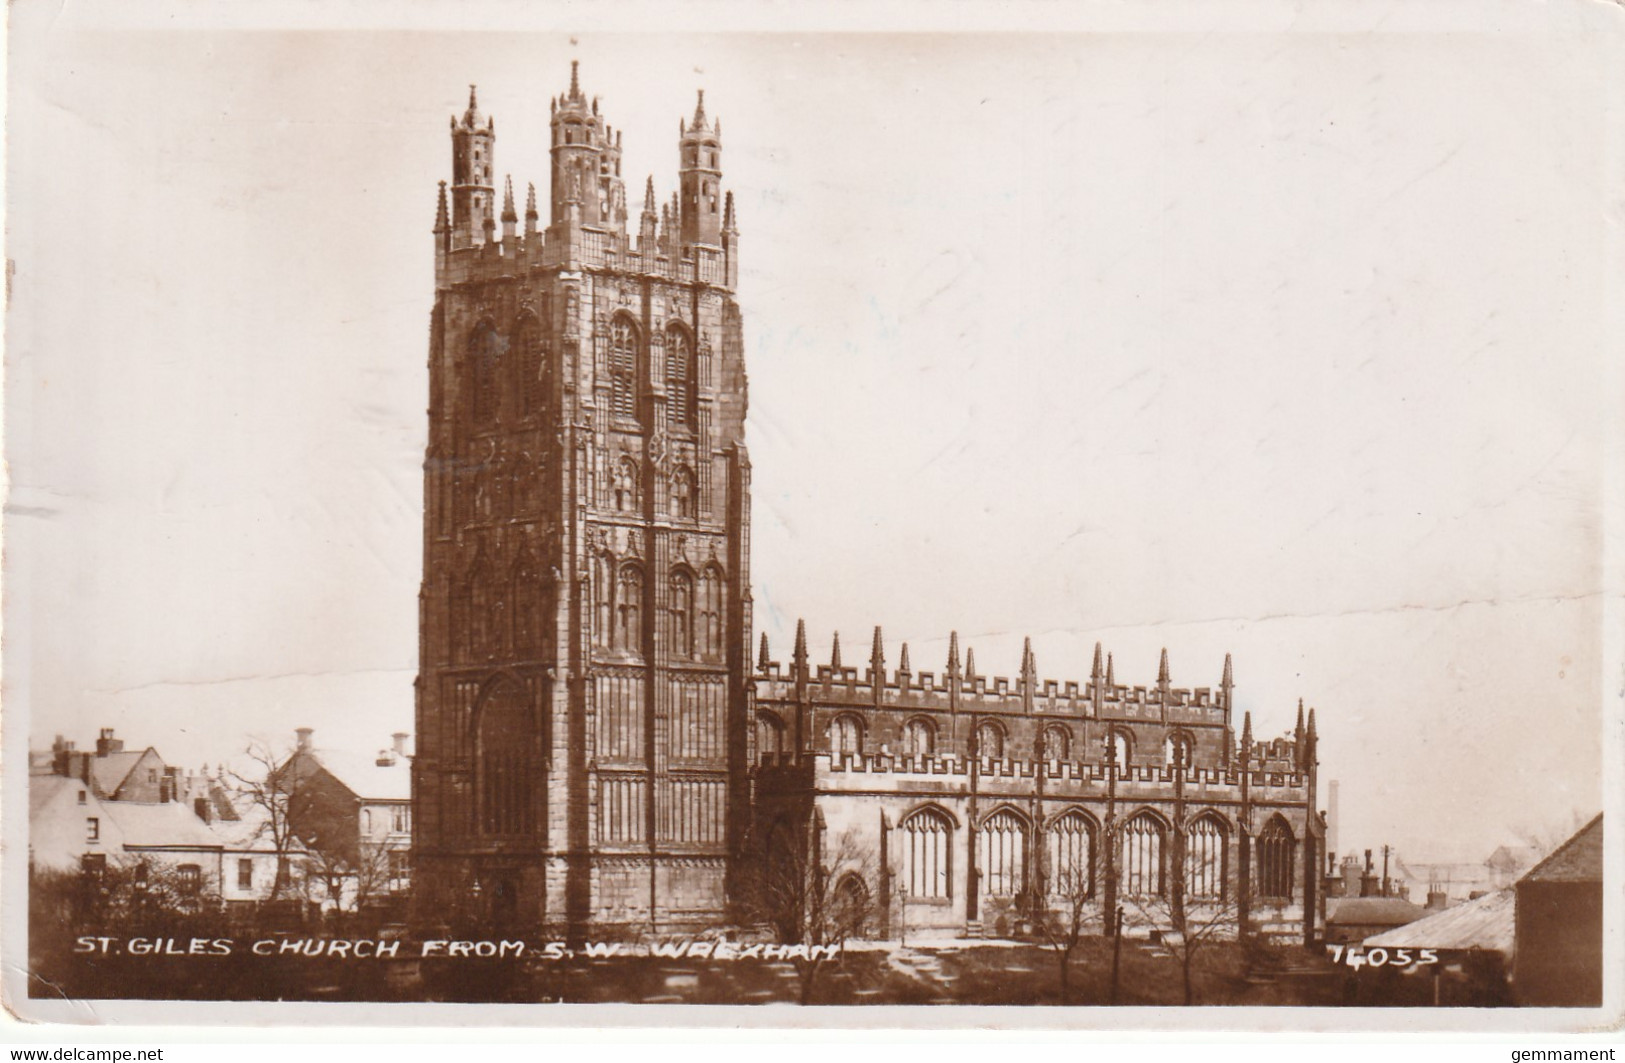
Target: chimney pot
pixel 399 745
pixel 304 734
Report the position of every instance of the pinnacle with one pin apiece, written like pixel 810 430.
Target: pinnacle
pixel 507 200
pixel 1227 681
pixel 953 653
pixel 441 220
pixel 801 641
pixel 649 196
pixel 763 659
pixel 902 660
pixel 728 222
pixel 1028 664
pixel 699 111
pixel 835 652
pixel 1162 668
pixel 878 653
pixel 970 661
pixel 1111 677
pixel 530 202
pixel 575 79
pixel 1095 669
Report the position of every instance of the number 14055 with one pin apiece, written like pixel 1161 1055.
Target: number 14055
pixel 1357 956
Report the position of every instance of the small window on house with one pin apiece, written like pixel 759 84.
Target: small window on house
pixel 81 797
pixel 366 821
pixel 245 874
pixel 93 863
pixel 402 819
pixel 152 774
pixel 93 829
pixel 191 877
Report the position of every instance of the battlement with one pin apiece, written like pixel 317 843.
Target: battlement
pixel 571 247
pixel 1082 775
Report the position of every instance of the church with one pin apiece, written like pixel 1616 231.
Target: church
pixel 600 752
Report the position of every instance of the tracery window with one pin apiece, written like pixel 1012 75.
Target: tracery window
pixel 1002 847
pixel 624 486
pixel 531 366
pixel 1071 841
pixel 679 378
pixel 927 863
pixel 1140 867
pixel 990 741
pixel 485 357
pixel 769 738
pixel 682 492
pixel 919 738
pixel 629 609
pixel 708 634
pixel 603 600
pixel 1177 751
pixel 681 610
pixel 503 765
pixel 526 595
pixel 1204 859
pixel 1275 851
pixel 623 368
pixel 846 736
pixel 1057 742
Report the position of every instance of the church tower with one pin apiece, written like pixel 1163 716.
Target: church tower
pixel 585 606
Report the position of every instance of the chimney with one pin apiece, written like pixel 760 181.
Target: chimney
pixel 200 805
pixel 106 743
pixel 399 742
pixel 304 734
pixel 1438 899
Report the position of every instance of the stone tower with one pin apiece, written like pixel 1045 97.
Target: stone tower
pixel 585 607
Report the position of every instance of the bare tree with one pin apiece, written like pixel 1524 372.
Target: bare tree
pixel 1186 929
pixel 269 791
pixel 814 894
pixel 1062 925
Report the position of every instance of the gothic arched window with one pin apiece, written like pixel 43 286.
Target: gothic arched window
pixel 1177 751
pixel 769 738
pixel 1119 750
pixel 629 609
pixel 682 492
pixel 603 600
pixel 1003 852
pixel 1204 859
pixel 708 632
pixel 526 595
pixel 482 606
pixel 531 366
pixel 990 741
pixel 679 378
pixel 846 736
pixel 680 606
pixel 503 764
pixel 927 870
pixel 623 369
pixel 624 488
pixel 1275 851
pixel 919 737
pixel 485 363
pixel 1057 742
pixel 1071 840
pixel 1140 867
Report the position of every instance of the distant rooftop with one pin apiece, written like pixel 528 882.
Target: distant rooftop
pixel 1486 923
pixel 1577 860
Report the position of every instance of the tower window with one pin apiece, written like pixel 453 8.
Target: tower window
pixel 680 378
pixel 682 493
pixel 502 763
pixel 629 610
pixel 623 362
pixel 927 853
pixel 682 614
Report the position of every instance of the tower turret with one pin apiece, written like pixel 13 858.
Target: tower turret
pixel 586 160
pixel 700 179
pixel 473 196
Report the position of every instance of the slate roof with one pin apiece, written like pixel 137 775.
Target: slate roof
pixel 366 778
pixel 168 824
pixel 1487 923
pixel 1577 860
pixel 109 772
pixel 1375 911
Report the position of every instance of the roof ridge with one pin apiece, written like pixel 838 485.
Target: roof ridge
pixel 1596 821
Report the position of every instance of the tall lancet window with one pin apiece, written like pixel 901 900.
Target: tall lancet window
pixel 679 378
pixel 1204 859
pixel 531 367
pixel 629 610
pixel 681 608
pixel 623 369
pixel 485 360
pixel 708 628
pixel 503 763
pixel 682 492
pixel 1275 853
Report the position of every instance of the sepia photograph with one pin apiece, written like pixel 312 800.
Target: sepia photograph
pixel 1111 517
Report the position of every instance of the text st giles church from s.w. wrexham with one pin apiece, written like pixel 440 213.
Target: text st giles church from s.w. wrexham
pixel 598 752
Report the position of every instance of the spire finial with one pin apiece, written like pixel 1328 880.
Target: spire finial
pixel 1029 666
pixel 877 654
pixel 1162 668
pixel 801 642
pixel 1227 681
pixel 1111 676
pixel 442 222
pixel 1096 669
pixel 649 195
pixel 762 659
pixel 1312 733
pixel 1247 733
pixel 575 79
pixel 699 111
pixel 902 661
pixel 507 199
pixel 728 222
pixel 953 653
pixel 530 201
pixel 970 662
pixel 835 653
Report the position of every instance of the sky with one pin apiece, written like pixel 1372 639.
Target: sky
pixel 1288 343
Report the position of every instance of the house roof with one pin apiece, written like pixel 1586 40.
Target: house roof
pixel 1486 923
pixel 109 772
pixel 43 789
pixel 167 824
pixel 1577 860
pixel 1374 911
pixel 365 777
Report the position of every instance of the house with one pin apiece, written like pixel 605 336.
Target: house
pixel 1352 920
pixel 1558 959
pixel 73 829
pixel 353 814
pixel 113 772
